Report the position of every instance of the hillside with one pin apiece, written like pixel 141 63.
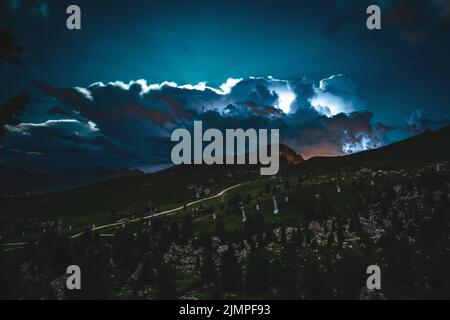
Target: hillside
pixel 132 193
pixel 179 184
pixel 315 242
pixel 16 182
pixel 429 147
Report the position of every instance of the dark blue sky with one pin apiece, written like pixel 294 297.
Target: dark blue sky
pixel 397 70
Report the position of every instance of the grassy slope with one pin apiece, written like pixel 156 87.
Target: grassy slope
pixel 425 148
pixel 169 187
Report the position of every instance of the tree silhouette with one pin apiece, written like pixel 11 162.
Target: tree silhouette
pixel 316 282
pixel 174 232
pixel 217 293
pixel 325 208
pixel 165 286
pixel 95 280
pixel 143 241
pixel 309 210
pixel 187 226
pixel 208 269
pixel 249 228
pixel 439 275
pixel 9 276
pixel 230 271
pixel 148 273
pixel 259 222
pixel 289 275
pixel 219 229
pixel 165 240
pixel 257 278
pixel 287 185
pixel 283 235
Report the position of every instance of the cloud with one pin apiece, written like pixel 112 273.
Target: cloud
pixel 418 20
pixel 41 9
pixel 334 95
pixel 412 20
pixel 121 124
pixel 37 8
pixel 67 124
pixel 336 135
pixel 10 112
pixel 419 122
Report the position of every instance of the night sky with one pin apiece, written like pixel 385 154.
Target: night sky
pixel 111 93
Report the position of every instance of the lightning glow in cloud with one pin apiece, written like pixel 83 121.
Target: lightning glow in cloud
pixel 285 99
pixel 224 88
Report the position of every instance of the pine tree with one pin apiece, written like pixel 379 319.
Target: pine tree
pixel 259 225
pixel 439 275
pixel 143 242
pixel 230 271
pixel 157 225
pixel 257 277
pixel 165 238
pixel 277 274
pixel 174 233
pixel 86 238
pixel 330 239
pixel 217 293
pixel 148 273
pixel 309 210
pixel 208 269
pixel 268 238
pixel 298 238
pixel 205 240
pixel 249 228
pixel 219 229
pixel 283 236
pixel 316 283
pixel 9 276
pixel 165 286
pixel 325 208
pixel 187 227
pixel 290 272
pixel 287 185
pixel 260 240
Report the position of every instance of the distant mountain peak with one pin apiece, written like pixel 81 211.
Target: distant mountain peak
pixel 290 155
